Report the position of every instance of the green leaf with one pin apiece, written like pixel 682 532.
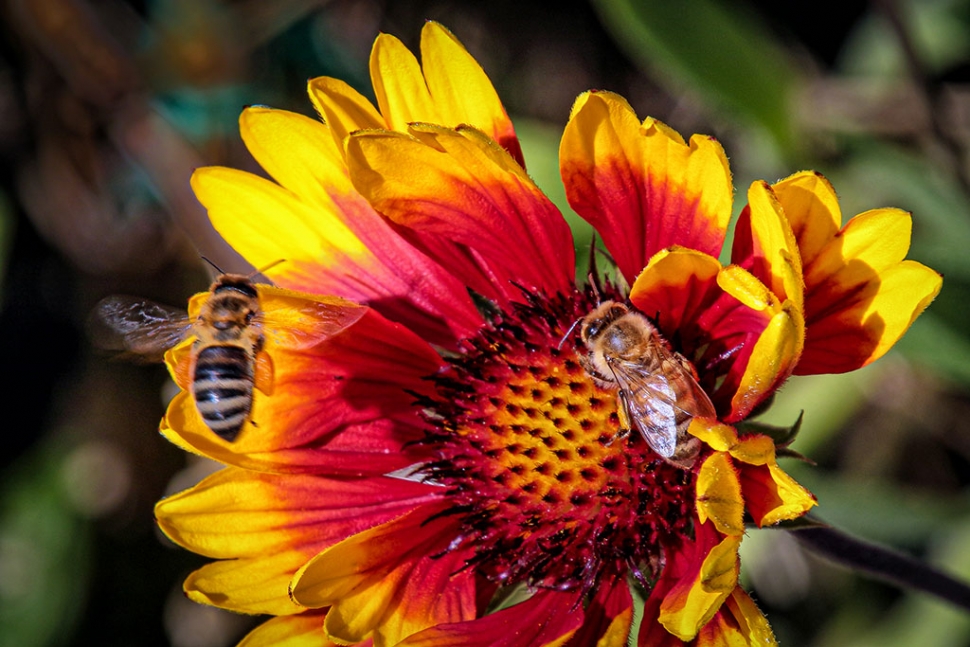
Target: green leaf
pixel 720 50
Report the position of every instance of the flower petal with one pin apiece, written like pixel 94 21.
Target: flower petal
pixel 772 495
pixel 339 406
pixel 812 209
pixel 608 616
pixel 399 86
pixel 384 581
pixel 771 360
pixel 331 239
pixel 267 526
pixel 861 295
pixel 255 585
pixel 303 630
pixel 461 90
pixel 639 185
pixel 547 618
pixel 705 575
pixel 460 185
pixel 739 623
pixel 719 495
pixel 342 108
pixel 765 245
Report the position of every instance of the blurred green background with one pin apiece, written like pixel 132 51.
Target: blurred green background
pixel 107 106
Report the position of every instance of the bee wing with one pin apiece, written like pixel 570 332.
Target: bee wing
pixel 656 400
pixel 308 323
pixel 137 328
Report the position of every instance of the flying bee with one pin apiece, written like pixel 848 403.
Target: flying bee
pixel 656 387
pixel 227 359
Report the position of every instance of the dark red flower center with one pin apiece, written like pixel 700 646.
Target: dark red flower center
pixel 526 444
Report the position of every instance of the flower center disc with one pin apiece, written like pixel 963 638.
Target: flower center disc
pixel 527 445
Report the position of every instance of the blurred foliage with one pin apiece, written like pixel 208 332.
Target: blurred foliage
pixel 108 107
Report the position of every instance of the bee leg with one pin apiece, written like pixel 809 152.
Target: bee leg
pixel 264 372
pixel 623 413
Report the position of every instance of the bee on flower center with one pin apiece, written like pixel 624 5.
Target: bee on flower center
pixel 656 388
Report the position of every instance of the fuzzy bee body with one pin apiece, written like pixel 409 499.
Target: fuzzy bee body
pixel 229 337
pixel 657 389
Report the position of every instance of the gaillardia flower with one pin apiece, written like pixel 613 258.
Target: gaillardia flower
pixel 449 469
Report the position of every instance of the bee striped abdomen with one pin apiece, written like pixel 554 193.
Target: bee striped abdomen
pixel 223 388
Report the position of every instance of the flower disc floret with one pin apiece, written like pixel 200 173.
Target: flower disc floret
pixel 527 444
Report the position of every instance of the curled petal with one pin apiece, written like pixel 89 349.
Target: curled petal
pixel 640 185
pixel 719 495
pixel 702 585
pixel 772 495
pixel 459 185
pixel 771 361
pixel 764 244
pixel 739 623
pixel 860 294
pixel 812 210
pixel 342 108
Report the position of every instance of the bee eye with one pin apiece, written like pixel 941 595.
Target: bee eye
pixel 592 330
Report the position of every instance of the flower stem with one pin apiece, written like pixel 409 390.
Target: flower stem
pixel 883 563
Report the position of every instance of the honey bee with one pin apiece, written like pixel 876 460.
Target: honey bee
pixel 227 359
pixel 656 387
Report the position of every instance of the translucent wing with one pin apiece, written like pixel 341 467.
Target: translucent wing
pixel 137 328
pixel 660 400
pixel 302 324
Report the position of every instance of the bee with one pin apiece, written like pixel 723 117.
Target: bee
pixel 656 387
pixel 227 358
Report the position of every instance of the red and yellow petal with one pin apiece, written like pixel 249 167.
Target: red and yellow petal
pixel 384 581
pixel 265 527
pixel 339 404
pixel 765 245
pixel 302 630
pixel 461 90
pixel 738 623
pixel 459 185
pixel 331 239
pixel 640 185
pixel 862 296
pixel 812 210
pixel 549 618
pixel 769 494
pixel 448 88
pixel 696 580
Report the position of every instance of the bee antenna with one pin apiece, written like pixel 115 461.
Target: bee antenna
pixel 216 267
pixel 568 333
pixel 266 267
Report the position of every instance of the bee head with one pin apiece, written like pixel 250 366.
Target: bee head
pixel 235 283
pixel 600 318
